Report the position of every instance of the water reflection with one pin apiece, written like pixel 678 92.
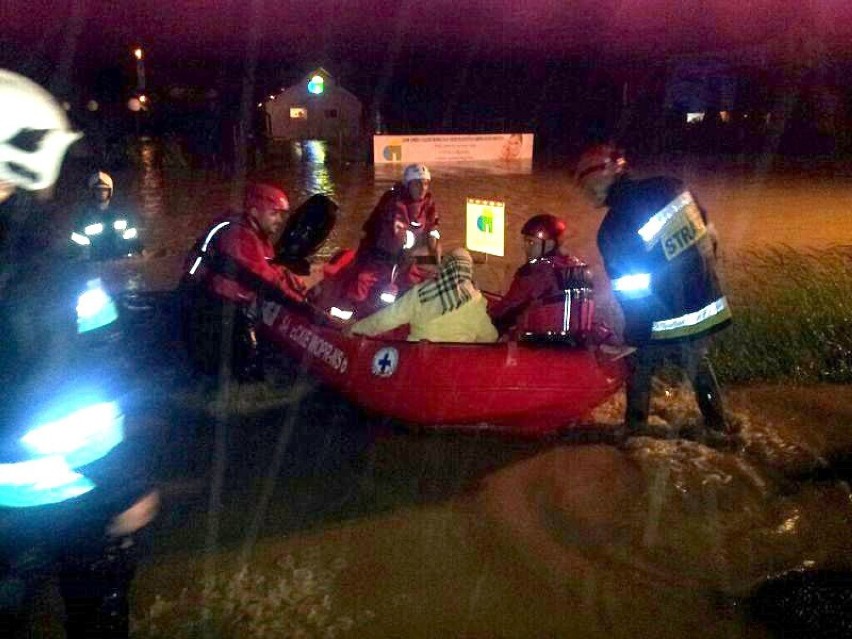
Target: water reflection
pixel 312 156
pixel 150 181
pixel 638 538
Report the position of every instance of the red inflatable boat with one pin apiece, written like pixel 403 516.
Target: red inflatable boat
pixel 508 386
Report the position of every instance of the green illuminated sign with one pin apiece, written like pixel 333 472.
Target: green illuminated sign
pixel 316 85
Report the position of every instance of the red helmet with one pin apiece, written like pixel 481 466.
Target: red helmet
pixel 265 197
pixel 600 157
pixel 544 226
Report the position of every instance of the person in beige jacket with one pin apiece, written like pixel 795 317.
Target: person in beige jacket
pixel 447 309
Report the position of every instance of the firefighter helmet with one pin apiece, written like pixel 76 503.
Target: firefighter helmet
pixel 544 227
pixel 605 158
pixel 416 172
pixel 265 197
pixel 34 133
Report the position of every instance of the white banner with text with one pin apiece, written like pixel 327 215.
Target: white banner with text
pixel 405 149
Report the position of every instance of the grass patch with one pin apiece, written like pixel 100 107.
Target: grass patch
pixel 792 318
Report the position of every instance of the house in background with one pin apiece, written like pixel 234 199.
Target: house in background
pixel 698 84
pixel 315 108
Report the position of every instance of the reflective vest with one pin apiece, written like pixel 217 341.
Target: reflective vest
pixel 661 261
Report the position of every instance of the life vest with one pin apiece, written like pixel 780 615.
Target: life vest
pixel 563 316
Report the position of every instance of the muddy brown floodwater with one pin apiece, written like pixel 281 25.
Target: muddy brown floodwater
pixel 468 536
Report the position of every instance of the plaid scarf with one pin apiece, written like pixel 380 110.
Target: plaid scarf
pixel 453 287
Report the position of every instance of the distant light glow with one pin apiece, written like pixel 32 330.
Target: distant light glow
pixel 119 225
pixel 92 105
pixel 388 298
pixel 94 229
pixel 137 53
pixel 298 113
pixel 694 117
pixel 130 234
pixel 143 99
pixel 316 85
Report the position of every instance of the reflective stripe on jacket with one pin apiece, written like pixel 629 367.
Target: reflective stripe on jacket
pixel 654 237
pixel 394 218
pixel 237 263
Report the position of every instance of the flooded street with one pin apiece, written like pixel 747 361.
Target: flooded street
pixel 417 534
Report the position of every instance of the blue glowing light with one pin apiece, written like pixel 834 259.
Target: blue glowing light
pixel 81 437
pixel 634 286
pixel 37 482
pixel 95 308
pixel 58 448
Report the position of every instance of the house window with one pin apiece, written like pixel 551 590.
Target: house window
pixel 694 117
pixel 298 113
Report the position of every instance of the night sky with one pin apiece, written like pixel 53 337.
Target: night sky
pixel 444 56
pixel 394 31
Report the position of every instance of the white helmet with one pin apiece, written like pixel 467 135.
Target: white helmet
pixel 100 179
pixel 416 172
pixel 34 133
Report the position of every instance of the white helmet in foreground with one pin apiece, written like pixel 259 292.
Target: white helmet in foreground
pixel 34 133
pixel 416 172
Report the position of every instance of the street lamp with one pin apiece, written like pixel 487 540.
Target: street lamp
pixel 140 69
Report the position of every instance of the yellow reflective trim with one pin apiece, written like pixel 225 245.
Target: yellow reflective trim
pixel 678 224
pixel 685 229
pixel 693 323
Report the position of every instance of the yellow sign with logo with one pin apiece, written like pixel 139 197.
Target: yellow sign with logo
pixel 486 226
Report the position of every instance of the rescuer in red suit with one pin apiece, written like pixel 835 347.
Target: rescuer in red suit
pixel 402 226
pixel 545 274
pixel 227 269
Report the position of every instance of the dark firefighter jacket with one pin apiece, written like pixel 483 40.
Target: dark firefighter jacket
pixel 660 258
